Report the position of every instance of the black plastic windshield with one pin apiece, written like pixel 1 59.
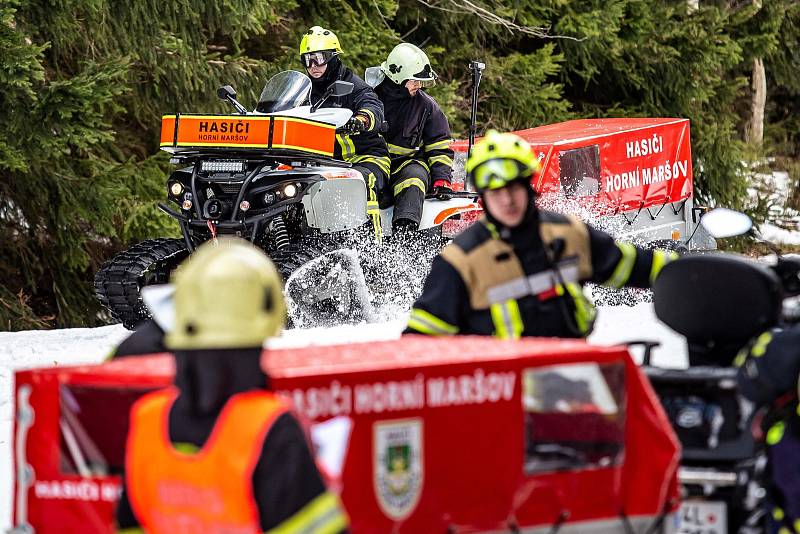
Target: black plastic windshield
pixel 285 90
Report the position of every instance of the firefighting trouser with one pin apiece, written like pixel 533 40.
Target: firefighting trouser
pixel 409 183
pixel 376 180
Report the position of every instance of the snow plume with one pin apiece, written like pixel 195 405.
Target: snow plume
pixel 396 271
pixel 617 227
pixel 329 290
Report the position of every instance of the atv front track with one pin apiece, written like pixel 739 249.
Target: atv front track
pixel 119 281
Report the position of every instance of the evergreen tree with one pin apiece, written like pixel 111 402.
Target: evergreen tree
pixel 85 82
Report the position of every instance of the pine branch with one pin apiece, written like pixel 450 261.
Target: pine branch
pixel 467 7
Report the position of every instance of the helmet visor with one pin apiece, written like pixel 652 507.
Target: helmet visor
pixel 317 59
pixel 497 173
pixel 426 77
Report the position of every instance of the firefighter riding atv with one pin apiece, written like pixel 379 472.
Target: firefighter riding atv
pixel 269 176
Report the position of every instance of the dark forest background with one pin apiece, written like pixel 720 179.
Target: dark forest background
pixel 83 84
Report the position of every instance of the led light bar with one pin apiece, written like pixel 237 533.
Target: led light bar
pixel 223 166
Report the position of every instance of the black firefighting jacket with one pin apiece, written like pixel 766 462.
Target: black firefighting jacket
pixel 367 146
pixel 492 280
pixel 418 131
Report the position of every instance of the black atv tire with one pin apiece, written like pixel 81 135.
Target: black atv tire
pixel 118 283
pixel 291 257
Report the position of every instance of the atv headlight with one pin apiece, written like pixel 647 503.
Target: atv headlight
pixel 289 190
pixel 223 166
pixel 176 188
pixel 269 198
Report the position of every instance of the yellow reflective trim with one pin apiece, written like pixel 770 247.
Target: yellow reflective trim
pixel 775 433
pixel 185 448
pixel 371 115
pixel 304 121
pixel 741 357
pixel 492 229
pixel 383 162
pixel 400 150
pixel 507 319
pixel 784 530
pixel 373 208
pixel 625 266
pixel 797 525
pixel 444 160
pixel 438 145
pixel 323 515
pixel 585 312
pixel 427 323
pixel 760 346
pixel 660 259
pixel 409 162
pixel 294 147
pixel 231 117
pixel 348 148
pixel 409 182
pixel 778 514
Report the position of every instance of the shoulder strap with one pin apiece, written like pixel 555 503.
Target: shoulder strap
pixel 575 236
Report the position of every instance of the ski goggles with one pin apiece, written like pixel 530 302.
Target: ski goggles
pixel 317 59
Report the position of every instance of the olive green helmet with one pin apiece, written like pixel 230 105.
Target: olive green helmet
pixel 228 294
pixel 499 159
pixel 408 62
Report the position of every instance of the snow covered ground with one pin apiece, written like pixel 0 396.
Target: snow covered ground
pixel 21 350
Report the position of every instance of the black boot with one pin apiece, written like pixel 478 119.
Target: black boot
pixel 404 227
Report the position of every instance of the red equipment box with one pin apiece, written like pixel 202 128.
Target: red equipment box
pixel 465 434
pixel 639 169
pixel 188 132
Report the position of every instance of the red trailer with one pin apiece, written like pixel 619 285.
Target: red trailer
pixel 633 177
pixel 463 434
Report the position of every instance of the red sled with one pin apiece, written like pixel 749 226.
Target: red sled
pixel 632 177
pixel 466 434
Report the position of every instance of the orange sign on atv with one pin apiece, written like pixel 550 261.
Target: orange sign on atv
pixel 183 132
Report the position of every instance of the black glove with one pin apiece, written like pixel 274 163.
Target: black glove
pixel 354 126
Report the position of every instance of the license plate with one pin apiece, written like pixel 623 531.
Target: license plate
pixel 701 517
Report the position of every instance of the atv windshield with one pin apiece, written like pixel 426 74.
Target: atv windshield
pixel 286 90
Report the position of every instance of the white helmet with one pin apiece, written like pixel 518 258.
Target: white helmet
pixel 407 62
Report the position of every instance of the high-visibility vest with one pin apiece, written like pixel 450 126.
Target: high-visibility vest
pixel 209 491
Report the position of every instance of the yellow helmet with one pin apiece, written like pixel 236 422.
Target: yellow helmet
pixel 227 295
pixel 498 159
pixel 318 39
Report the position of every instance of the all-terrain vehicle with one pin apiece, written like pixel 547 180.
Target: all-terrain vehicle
pixel 269 176
pixel 719 302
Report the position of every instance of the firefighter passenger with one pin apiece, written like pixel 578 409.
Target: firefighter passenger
pixel 361 144
pixel 519 270
pixel 218 451
pixel 418 135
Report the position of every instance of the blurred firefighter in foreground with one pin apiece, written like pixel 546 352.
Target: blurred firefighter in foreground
pixel 219 452
pixel 519 270
pixel 418 136
pixel 361 144
pixel 769 375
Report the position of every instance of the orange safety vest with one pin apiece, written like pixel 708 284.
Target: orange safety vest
pixel 210 491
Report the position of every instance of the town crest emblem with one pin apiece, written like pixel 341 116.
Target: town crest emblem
pixel 398 468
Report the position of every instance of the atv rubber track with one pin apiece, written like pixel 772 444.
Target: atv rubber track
pixel 292 257
pixel 119 281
